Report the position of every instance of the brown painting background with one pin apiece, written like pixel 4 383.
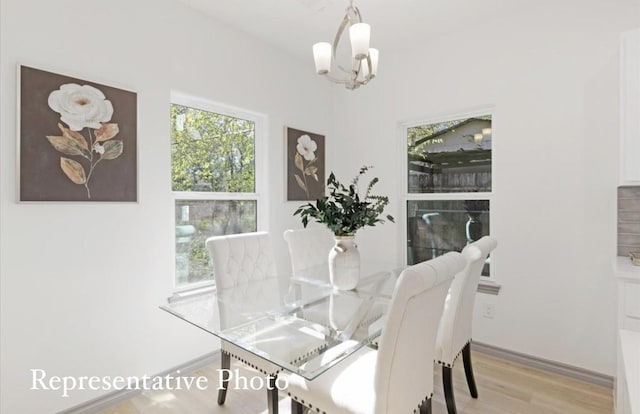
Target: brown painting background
pixel 41 178
pixel 316 189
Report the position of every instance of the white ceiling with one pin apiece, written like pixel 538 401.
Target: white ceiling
pixel 294 25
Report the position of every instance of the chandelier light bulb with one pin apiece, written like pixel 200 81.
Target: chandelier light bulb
pixel 359 34
pixel 364 68
pixel 373 55
pixel 486 131
pixel 322 57
pixel 477 138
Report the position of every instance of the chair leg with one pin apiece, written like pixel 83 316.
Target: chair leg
pixel 425 408
pixel 225 364
pixel 296 407
pixel 447 382
pixel 272 395
pixel 468 370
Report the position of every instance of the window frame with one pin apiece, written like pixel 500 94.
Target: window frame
pixel 260 184
pixel 406 196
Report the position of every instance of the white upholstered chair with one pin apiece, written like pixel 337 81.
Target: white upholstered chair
pixel 454 332
pixel 238 260
pixel 398 376
pixel 308 248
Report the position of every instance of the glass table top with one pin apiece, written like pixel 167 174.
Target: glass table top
pixel 300 324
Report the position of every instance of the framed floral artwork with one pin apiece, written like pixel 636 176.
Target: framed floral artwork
pixel 77 139
pixel 305 165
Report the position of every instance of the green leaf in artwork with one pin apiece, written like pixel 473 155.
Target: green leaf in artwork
pixel 112 149
pixel 298 161
pixel 76 136
pixel 73 170
pixel 311 170
pixel 67 145
pixel 300 182
pixel 106 132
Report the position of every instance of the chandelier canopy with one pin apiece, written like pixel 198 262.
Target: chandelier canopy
pixel 364 60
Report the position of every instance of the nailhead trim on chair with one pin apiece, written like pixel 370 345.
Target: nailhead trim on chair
pixel 253 366
pixel 300 359
pixel 427 398
pixel 369 320
pixel 304 357
pixel 446 364
pixel 415 410
pixel 302 402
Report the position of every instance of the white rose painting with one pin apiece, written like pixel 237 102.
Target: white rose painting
pixel 305 165
pixel 77 139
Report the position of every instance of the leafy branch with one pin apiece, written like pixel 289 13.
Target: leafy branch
pixel 344 211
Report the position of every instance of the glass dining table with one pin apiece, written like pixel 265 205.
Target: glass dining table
pixel 300 324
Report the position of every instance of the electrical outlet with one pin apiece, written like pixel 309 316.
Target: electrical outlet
pixel 488 310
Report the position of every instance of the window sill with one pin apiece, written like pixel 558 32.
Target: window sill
pixel 191 292
pixel 489 287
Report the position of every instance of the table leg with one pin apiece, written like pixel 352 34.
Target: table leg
pixel 296 407
pixel 225 363
pixel 272 395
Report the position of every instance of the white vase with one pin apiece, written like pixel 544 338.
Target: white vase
pixel 344 263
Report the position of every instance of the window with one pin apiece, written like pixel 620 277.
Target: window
pixel 448 185
pixel 214 180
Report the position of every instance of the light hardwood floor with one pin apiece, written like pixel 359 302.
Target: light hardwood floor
pixel 503 387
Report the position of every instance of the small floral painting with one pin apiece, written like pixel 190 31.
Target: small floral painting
pixel 77 139
pixel 305 165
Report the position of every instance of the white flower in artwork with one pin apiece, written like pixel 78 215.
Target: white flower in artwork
pixel 99 149
pixel 307 147
pixel 80 106
pixel 83 107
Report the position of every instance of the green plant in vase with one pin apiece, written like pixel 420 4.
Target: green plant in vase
pixel 344 211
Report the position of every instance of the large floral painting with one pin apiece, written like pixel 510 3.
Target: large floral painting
pixel 305 165
pixel 77 139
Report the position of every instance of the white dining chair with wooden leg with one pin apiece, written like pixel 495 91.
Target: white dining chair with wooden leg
pixel 239 260
pixel 398 376
pixel 455 331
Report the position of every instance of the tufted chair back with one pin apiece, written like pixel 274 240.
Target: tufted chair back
pixel 404 374
pixel 456 325
pixel 240 258
pixel 308 248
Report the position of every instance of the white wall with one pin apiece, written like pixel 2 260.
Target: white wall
pixel 81 283
pixel 551 74
pixel 82 300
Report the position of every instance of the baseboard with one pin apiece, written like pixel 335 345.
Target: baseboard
pixel 559 368
pixel 116 397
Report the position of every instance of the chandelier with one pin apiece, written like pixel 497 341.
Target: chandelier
pixel 364 60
